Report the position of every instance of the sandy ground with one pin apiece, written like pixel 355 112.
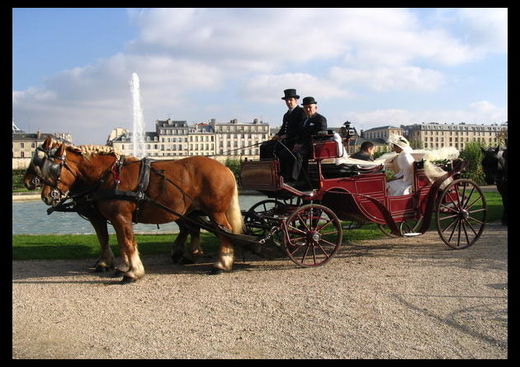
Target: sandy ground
pixel 390 299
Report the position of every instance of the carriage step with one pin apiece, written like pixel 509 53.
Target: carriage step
pixel 412 234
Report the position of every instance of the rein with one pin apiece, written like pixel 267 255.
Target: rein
pixel 138 195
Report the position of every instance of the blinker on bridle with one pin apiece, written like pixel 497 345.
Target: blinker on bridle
pixel 47 171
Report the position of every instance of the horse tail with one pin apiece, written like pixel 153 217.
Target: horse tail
pixel 233 214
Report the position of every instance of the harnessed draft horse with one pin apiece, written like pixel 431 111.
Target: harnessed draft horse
pixel 127 190
pixel 180 253
pixel 494 165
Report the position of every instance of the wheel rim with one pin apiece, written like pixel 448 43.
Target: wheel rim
pixel 313 235
pixel 264 215
pixel 461 214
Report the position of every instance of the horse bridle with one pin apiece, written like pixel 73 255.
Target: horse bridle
pixel 46 170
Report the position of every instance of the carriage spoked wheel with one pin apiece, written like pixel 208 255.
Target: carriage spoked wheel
pixel 313 235
pixel 256 219
pixel 461 213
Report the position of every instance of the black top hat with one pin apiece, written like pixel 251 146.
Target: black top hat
pixel 290 93
pixel 309 100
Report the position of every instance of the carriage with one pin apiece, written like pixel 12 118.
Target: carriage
pixel 309 224
pixel 198 192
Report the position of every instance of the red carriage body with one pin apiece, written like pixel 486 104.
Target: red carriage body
pixel 355 193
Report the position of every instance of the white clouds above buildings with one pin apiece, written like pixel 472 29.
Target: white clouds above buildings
pixel 195 62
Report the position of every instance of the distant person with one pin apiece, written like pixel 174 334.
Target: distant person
pixel 366 152
pixel 403 181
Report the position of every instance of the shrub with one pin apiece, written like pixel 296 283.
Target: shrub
pixel 234 166
pixel 473 155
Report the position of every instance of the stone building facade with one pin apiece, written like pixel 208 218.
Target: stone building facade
pixel 436 135
pixel 24 144
pixel 174 139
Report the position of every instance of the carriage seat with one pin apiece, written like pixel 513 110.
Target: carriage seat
pixel 327 144
pixel 342 170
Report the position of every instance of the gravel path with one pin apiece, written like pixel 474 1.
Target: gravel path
pixel 390 298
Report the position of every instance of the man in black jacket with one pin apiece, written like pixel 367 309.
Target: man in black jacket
pixel 303 143
pixel 292 119
pixel 292 122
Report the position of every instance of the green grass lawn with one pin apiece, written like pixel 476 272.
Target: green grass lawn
pixel 32 247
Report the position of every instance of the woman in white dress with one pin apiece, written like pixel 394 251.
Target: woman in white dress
pixel 403 182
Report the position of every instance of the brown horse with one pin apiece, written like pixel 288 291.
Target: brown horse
pixel 184 186
pixel 180 252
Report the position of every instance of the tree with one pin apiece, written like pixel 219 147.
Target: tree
pixel 234 166
pixel 473 155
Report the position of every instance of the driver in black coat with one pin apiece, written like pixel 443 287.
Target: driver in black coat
pixel 282 143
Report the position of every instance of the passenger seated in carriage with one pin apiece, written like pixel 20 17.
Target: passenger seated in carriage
pixel 366 152
pixel 403 182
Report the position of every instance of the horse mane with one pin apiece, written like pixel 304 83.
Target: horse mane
pixel 87 151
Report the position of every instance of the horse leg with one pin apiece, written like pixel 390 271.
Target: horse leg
pixel 178 245
pixel 106 260
pixel 226 251
pixel 128 247
pixel 182 253
pixel 194 250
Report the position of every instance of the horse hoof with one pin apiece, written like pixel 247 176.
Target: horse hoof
pixel 216 271
pixel 128 280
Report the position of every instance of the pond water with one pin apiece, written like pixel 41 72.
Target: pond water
pixel 30 217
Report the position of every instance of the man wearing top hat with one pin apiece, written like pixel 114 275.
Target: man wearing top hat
pixel 313 123
pixel 292 119
pixel 291 123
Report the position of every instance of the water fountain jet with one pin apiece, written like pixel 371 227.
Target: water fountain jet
pixel 139 149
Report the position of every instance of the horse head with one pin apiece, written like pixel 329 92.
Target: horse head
pixel 32 178
pixel 492 164
pixel 74 168
pixel 46 170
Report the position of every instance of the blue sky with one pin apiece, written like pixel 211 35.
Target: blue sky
pixel 72 67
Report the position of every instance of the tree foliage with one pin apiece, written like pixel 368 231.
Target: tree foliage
pixel 473 155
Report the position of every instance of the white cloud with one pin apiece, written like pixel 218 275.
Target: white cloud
pixel 186 56
pixel 389 79
pixel 477 112
pixel 268 87
pixel 486 29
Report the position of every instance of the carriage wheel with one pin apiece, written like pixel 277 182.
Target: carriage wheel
pixel 313 235
pixel 461 213
pixel 255 219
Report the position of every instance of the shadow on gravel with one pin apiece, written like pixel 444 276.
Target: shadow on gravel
pixel 74 271
pixel 489 252
pixel 463 319
pixel 484 254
